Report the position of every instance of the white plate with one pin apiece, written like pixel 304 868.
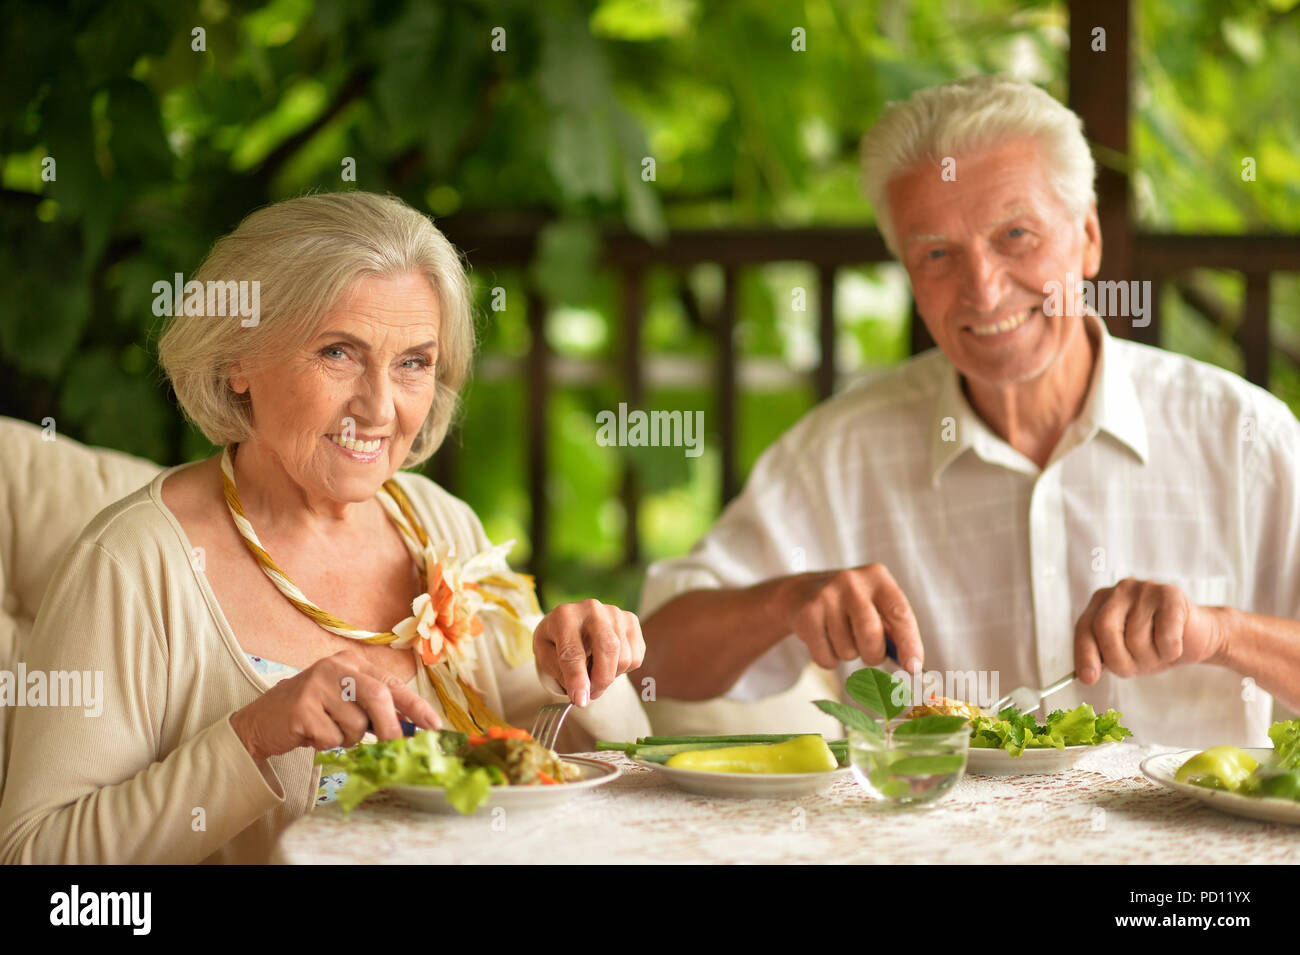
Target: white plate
pixel 749 785
pixel 1033 761
pixel 595 773
pixel 1162 767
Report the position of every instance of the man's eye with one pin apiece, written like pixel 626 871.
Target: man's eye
pixel 936 253
pixel 332 348
pixel 1016 232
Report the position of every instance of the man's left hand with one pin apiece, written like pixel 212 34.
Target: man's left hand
pixel 1139 627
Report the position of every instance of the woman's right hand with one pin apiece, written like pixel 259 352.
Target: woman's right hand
pixel 331 703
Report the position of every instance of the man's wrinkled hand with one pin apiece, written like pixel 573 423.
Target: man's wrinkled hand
pixel 1139 627
pixel 846 615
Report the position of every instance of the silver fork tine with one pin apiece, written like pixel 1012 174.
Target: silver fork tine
pixel 549 720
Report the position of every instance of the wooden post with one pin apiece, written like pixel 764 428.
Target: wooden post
pixel 726 330
pixel 633 308
pixel 1099 93
pixel 824 380
pixel 1253 334
pixel 538 394
pixel 920 335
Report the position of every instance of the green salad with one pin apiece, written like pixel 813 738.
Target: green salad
pixel 1015 732
pixel 426 759
pixel 1234 770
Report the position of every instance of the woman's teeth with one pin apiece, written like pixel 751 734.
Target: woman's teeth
pixel 1006 325
pixel 361 447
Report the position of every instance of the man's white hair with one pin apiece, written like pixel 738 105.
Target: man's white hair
pixel 970 116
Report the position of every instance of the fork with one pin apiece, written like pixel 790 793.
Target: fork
pixel 1026 699
pixel 546 727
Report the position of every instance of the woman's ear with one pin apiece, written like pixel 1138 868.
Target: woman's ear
pixel 235 378
pixel 1091 243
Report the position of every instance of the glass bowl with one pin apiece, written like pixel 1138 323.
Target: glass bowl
pixel 908 769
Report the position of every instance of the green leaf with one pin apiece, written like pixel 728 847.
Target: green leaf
pixel 896 788
pixel 642 20
pixel 566 261
pixel 849 716
pixel 1285 735
pixel 879 692
pixel 928 765
pixel 879 776
pixel 931 725
pixel 581 155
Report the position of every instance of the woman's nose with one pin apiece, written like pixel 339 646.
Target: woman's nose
pixel 374 398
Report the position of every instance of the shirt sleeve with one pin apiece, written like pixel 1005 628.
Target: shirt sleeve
pixel 780 524
pixel 1272 515
pixel 87 782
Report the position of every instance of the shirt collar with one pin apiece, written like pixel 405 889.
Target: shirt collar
pixel 1112 406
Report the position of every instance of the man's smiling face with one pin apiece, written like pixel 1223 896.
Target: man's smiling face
pixel 980 251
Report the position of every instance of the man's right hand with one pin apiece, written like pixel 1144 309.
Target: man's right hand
pixel 845 615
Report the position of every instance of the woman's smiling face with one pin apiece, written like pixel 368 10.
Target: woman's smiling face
pixel 366 378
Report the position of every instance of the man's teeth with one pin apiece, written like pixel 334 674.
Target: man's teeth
pixel 1005 325
pixel 363 447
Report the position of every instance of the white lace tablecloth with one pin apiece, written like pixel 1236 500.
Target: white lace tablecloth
pixel 1102 811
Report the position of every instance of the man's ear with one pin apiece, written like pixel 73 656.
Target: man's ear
pixel 1091 243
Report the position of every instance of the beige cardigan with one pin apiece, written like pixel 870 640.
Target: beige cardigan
pixel 159 775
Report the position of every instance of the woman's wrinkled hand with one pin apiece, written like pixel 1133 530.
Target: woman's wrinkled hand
pixel 333 702
pixel 586 646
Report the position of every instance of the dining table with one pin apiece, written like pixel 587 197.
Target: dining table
pixel 1100 810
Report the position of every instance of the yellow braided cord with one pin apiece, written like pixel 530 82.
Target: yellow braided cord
pixel 479 717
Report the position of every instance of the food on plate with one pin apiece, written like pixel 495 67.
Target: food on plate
pixel 943 706
pixel 802 754
pixel 1219 767
pixel 660 749
pixel 516 759
pixel 467 767
pixel 1015 732
pixel 1233 770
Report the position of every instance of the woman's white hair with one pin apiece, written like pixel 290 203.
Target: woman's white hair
pixel 306 253
pixel 969 116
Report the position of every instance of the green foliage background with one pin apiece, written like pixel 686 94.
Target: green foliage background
pixel 161 148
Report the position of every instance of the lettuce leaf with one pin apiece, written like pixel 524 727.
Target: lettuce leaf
pixel 1285 735
pixel 424 759
pixel 1015 732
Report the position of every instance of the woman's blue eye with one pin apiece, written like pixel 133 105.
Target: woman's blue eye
pixel 331 348
pixel 936 253
pixel 421 362
pixel 1016 232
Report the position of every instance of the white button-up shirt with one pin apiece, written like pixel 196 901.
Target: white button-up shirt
pixel 1175 471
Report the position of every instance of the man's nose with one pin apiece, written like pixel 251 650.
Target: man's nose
pixel 984 281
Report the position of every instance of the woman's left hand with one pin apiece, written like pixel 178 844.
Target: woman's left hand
pixel 572 633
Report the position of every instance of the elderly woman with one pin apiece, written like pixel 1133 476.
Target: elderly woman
pixel 297 589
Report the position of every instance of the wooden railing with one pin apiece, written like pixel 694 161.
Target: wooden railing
pixel 1158 258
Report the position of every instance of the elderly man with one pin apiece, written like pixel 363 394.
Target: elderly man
pixel 1030 498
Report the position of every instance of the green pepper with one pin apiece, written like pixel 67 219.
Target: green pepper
pixel 803 754
pixel 1221 767
pixel 1278 783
